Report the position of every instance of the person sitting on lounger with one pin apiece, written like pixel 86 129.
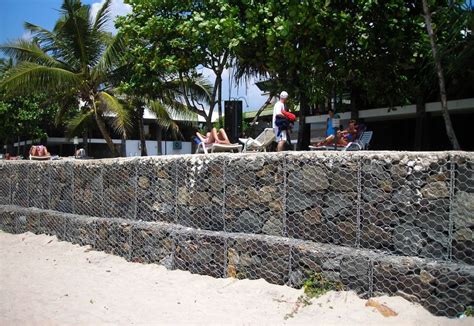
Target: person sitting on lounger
pixel 344 137
pixel 214 137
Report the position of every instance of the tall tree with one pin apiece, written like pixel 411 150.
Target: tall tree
pixel 77 57
pixel 179 38
pixel 442 83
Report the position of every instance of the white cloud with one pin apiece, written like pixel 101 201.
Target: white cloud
pixel 248 90
pixel 27 36
pixel 117 8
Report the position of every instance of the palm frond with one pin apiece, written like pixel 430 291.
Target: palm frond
pixel 23 50
pixel 5 65
pixel 102 16
pixel 177 110
pixel 75 29
pixel 121 119
pixel 163 117
pixel 79 123
pixel 46 39
pixel 197 88
pixel 30 77
pixel 111 58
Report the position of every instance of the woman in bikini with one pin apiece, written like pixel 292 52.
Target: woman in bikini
pixel 214 137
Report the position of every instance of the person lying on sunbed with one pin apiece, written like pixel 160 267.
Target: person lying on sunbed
pixel 214 137
pixel 39 151
pixel 344 137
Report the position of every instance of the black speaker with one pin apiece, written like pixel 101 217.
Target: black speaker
pixel 233 120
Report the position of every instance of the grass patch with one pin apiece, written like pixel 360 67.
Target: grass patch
pixel 315 286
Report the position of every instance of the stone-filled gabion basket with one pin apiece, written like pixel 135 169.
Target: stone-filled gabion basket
pixel 374 222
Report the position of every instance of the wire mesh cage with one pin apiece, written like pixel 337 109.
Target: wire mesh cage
pixel 375 223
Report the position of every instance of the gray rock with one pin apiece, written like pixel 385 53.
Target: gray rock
pixel 374 195
pixel 464 234
pixel 435 190
pixel 167 262
pixel 296 278
pixel 343 179
pixel 407 239
pixel 273 226
pixel 373 236
pixel 404 195
pixel 463 210
pixel 310 178
pixel 163 208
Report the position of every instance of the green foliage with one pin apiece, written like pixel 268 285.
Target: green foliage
pixel 25 116
pixel 316 285
pixel 172 38
pixel 219 123
pixel 469 312
pixel 245 123
pixel 78 59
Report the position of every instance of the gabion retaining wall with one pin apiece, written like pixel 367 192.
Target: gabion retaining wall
pixel 413 204
pixel 275 216
pixel 443 288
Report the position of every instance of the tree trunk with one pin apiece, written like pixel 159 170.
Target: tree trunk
pixel 219 99
pixel 304 132
pixel 85 143
pixel 158 139
pixel 267 102
pixel 442 86
pixel 141 129
pixel 105 134
pixel 355 103
pixel 420 122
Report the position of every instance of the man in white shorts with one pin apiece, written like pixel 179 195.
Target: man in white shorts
pixel 279 106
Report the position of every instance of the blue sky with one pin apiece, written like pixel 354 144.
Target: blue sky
pixel 13 14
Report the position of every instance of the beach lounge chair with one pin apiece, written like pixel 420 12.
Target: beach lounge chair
pixel 214 148
pixel 40 158
pixel 362 143
pixel 259 144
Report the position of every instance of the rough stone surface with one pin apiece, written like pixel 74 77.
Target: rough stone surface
pixel 443 288
pixel 393 201
pixel 435 190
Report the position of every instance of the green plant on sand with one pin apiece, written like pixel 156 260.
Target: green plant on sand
pixel 315 286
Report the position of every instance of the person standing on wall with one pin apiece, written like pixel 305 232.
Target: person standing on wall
pixel 278 113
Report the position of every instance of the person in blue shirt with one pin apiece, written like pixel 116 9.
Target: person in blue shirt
pixel 330 130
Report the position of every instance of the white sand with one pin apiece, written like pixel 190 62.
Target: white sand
pixel 44 281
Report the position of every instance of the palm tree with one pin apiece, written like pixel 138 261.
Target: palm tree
pixel 171 99
pixel 78 56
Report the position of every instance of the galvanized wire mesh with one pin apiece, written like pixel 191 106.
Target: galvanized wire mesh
pixel 374 223
pixel 200 192
pixel 5 191
pixel 88 189
pixel 61 187
pixel 156 190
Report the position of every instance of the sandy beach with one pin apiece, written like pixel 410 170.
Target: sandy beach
pixel 44 281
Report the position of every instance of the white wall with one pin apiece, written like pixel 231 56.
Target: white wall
pixel 133 148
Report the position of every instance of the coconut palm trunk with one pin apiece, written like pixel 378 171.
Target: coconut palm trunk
pixel 442 85
pixel 141 130
pixel 105 133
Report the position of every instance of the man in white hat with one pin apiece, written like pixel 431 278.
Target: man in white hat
pixel 277 111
